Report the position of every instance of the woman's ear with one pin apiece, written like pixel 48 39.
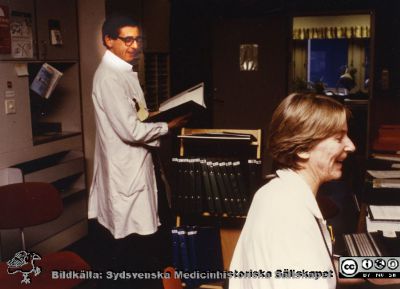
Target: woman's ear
pixel 303 155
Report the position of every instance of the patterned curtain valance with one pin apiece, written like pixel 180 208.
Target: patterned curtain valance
pixel 331 32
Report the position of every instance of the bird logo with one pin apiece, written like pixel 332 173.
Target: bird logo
pixel 24 262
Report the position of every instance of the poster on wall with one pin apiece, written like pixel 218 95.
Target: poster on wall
pixel 5 36
pixel 21 35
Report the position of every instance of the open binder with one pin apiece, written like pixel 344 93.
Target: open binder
pixel 190 101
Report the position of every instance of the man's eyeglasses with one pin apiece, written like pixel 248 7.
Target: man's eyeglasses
pixel 130 40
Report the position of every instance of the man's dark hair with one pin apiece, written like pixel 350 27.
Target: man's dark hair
pixel 113 24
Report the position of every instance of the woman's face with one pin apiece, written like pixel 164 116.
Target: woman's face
pixel 325 160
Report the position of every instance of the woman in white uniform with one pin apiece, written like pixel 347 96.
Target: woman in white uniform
pixel 285 234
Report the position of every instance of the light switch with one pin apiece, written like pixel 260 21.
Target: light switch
pixel 10 106
pixel 9 93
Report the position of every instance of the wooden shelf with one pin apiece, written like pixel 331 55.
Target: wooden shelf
pixel 230 226
pixel 50 137
pixel 156 79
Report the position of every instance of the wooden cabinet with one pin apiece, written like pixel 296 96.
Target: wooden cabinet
pixel 42 138
pixel 21 139
pixel 59 16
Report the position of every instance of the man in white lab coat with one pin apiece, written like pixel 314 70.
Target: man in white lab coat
pixel 123 194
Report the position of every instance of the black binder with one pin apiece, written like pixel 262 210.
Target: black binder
pixel 205 251
pixel 199 190
pixel 207 187
pixel 242 186
pixel 252 176
pixel 222 189
pixel 214 188
pixel 192 187
pixel 178 192
pixel 184 256
pixel 186 186
pixel 229 190
pixel 258 175
pixel 235 188
pixel 175 249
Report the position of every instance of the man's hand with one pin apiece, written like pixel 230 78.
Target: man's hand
pixel 179 121
pixel 152 113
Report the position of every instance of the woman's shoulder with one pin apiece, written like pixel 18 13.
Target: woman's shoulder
pixel 275 187
pixel 278 195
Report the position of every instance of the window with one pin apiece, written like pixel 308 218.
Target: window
pixel 327 57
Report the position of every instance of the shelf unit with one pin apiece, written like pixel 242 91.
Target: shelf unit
pixel 58 116
pixel 157 87
pixel 52 152
pixel 230 227
pixel 63 108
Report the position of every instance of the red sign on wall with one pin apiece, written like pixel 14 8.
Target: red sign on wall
pixel 5 35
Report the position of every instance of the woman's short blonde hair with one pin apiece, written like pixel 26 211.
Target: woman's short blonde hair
pixel 300 122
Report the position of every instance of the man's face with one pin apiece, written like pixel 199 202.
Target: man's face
pixel 127 46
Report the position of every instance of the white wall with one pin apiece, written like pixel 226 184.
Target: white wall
pixel 156 17
pixel 91 15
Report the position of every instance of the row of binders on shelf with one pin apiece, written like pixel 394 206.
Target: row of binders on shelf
pixel 217 187
pixel 196 249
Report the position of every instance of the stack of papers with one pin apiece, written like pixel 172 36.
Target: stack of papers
pixel 384 213
pixel 383 218
pixel 387 157
pixel 385 178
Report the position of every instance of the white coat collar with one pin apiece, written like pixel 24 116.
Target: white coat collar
pixel 113 60
pixel 301 187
